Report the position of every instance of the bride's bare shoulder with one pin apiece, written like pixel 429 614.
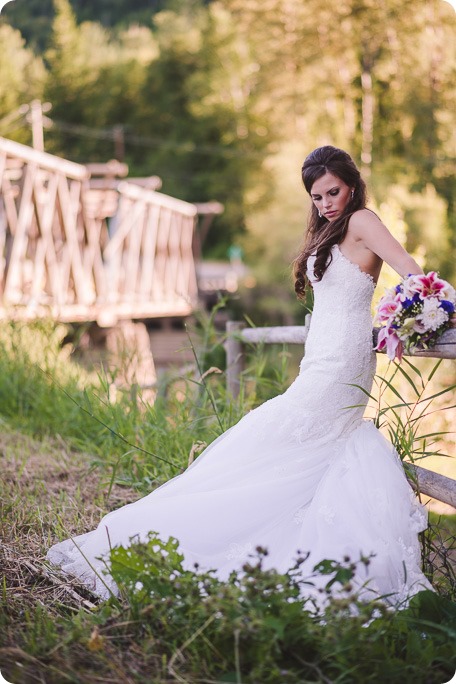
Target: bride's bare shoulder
pixel 364 217
pixel 364 223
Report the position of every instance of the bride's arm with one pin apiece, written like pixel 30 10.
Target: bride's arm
pixel 367 227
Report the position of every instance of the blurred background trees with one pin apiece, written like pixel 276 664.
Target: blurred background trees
pixel 224 100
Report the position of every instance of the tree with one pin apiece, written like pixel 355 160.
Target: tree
pixel 22 77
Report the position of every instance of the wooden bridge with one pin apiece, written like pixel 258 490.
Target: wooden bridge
pixel 75 251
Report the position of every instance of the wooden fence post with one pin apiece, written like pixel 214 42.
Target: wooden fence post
pixel 234 357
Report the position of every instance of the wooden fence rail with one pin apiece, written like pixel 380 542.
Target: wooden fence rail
pixel 425 481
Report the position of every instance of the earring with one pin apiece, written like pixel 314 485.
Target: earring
pixel 319 213
pixel 352 193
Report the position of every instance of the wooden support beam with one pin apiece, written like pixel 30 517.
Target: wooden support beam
pixel 113 168
pixel 129 344
pixel 43 159
pixel 135 192
pixel 432 484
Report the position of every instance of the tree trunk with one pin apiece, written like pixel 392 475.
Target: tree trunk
pixel 367 120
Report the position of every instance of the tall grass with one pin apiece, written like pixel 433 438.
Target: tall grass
pixel 44 392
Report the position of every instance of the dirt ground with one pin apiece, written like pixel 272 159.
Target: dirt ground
pixel 47 493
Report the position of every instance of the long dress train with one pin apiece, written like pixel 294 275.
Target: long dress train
pixel 303 471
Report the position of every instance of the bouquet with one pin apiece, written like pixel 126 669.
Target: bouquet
pixel 414 314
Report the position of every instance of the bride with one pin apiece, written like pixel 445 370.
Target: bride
pixel 304 471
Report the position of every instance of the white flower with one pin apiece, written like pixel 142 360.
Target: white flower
pixel 432 316
pixel 448 293
pixel 409 288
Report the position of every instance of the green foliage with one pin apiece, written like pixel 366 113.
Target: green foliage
pixel 257 626
pixel 34 17
pixel 223 101
pixel 177 624
pixel 405 417
pixel 22 75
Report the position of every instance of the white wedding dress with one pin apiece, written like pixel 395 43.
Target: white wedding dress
pixel 303 471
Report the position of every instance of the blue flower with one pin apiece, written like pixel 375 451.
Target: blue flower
pixel 398 288
pixel 447 306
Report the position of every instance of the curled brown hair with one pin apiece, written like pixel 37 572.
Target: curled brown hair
pixel 323 234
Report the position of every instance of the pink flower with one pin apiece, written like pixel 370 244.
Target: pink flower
pixel 388 340
pixel 427 285
pixel 387 309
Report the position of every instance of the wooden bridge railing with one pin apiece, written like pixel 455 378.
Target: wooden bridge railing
pixel 423 480
pixel 60 258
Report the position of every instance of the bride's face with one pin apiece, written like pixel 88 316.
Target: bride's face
pixel 330 195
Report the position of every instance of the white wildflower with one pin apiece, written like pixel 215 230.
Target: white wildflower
pixel 432 316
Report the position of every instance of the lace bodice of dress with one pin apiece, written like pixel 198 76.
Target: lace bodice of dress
pixel 339 357
pixel 341 320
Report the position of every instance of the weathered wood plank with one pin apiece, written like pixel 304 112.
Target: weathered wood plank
pixel 69 203
pixel 135 192
pixel 45 262
pixel 161 284
pixel 43 159
pixel 148 250
pixel 433 484
pixel 133 254
pixel 128 214
pixel 297 334
pixel 290 334
pixel 14 274
pixel 112 168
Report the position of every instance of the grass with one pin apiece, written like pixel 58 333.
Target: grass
pixel 69 455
